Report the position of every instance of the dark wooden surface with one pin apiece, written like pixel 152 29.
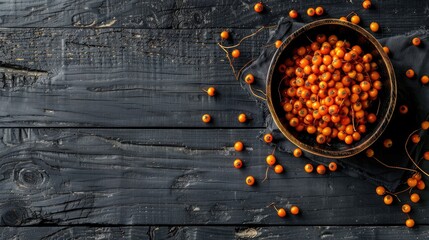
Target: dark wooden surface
pixel 101 136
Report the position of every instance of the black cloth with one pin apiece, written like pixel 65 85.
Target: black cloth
pixel 411 92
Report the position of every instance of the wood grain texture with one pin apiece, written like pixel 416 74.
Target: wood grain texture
pixel 121 78
pixel 215 233
pixel 165 177
pixel 394 16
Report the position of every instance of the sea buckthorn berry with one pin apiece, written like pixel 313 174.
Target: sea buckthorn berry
pixel 278 169
pixel 386 50
pixel 409 223
pixel 410 73
pixel 424 79
pixel 387 143
pixel 278 43
pixel 206 118
pixel 388 199
pixel 343 19
pixel 297 152
pixel 250 180
pixel 415 138
pixel 308 168
pixel 242 118
pixel 425 125
pixel 415 198
pixel 294 210
pixel 403 109
pixel 412 182
pixel 369 152
pixel 406 208
pixel 249 79
pixel 319 11
pixel 211 91
pixel 380 190
pixel 281 212
pixel 421 185
pixel 259 7
pixel 235 53
pixel 332 166
pixel 224 35
pixel 310 12
pixel 321 169
pixel 293 14
pixel 238 163
pixel 374 27
pixel 416 41
pixel 371 118
pixel 366 4
pixel 355 19
pixel 417 176
pixel 238 146
pixel 268 138
pixel 426 155
pixel 271 160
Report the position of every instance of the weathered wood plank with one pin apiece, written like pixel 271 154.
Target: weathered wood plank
pixel 121 78
pixel 171 177
pixel 394 16
pixel 215 233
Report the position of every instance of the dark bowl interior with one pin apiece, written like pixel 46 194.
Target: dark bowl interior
pixel 387 96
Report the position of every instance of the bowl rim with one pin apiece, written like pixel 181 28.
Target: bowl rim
pixel 380 127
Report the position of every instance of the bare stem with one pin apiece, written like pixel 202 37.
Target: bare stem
pixel 394 167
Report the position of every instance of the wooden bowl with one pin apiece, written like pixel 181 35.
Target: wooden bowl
pixel 355 35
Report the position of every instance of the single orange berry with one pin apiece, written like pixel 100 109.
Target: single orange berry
pixel 406 208
pixel 235 53
pixel 386 50
pixel 380 190
pixel 278 43
pixel 206 118
pixel 417 176
pixel 310 12
pixel 281 212
pixel 297 152
pixel 426 155
pixel 424 79
pixel 388 199
pixel 421 185
pixel 224 35
pixel 355 19
pixel 271 160
pixel 425 125
pixel 268 138
pixel 249 79
pixel 343 19
pixel 321 169
pixel 412 182
pixel 366 4
pixel 242 118
pixel 319 11
pixel 410 223
pixel 403 109
pixel 415 198
pixel 238 163
pixel 250 180
pixel 416 41
pixel 410 73
pixel 308 168
pixel 387 143
pixel 211 91
pixel 278 169
pixel 374 27
pixel 369 152
pixel 294 210
pixel 293 14
pixel 332 166
pixel 238 146
pixel 415 138
pixel 259 7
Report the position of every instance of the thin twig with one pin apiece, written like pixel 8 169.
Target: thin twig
pixel 248 36
pixel 229 60
pixel 266 175
pixel 378 107
pixel 241 69
pixel 394 167
pixel 251 90
pixel 353 119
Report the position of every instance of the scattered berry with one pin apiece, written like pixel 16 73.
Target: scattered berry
pixel 366 4
pixel 426 155
pixel 355 19
pixel 293 14
pixel 278 169
pixel 268 138
pixel 380 190
pixel 249 79
pixel 242 118
pixel 238 163
pixel 235 53
pixel 281 212
pixel 415 138
pixel 415 198
pixel 409 223
pixel 259 7
pixel 294 210
pixel 321 169
pixel 238 146
pixel 250 180
pixel 374 27
pixel 416 41
pixel 310 12
pixel 206 118
pixel 343 19
pixel 297 152
pixel 386 50
pixel 412 182
pixel 369 152
pixel 403 109
pixel 278 43
pixel 410 73
pixel 425 125
pixel 211 91
pixel 319 11
pixel 387 143
pixel 332 166
pixel 424 79
pixel 224 35
pixel 421 185
pixel 271 160
pixel 406 208
pixel 308 168
pixel 388 199
pixel 417 176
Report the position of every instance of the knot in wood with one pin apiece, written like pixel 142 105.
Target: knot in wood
pixel 29 176
pixel 13 216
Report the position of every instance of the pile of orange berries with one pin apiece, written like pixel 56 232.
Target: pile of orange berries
pixel 327 87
